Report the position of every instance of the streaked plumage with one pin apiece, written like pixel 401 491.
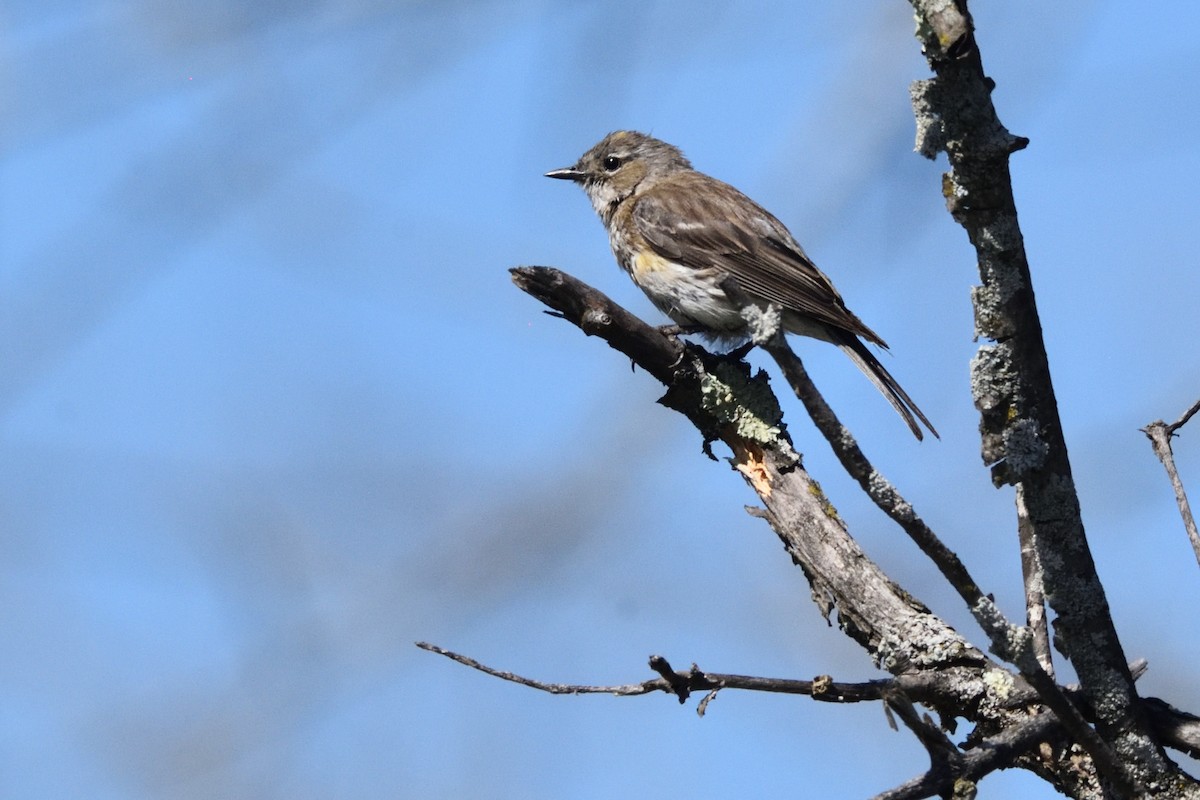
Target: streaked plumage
pixel 680 234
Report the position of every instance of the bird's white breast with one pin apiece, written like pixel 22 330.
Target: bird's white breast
pixel 687 295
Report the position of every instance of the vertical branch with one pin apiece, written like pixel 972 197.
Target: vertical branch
pixel 1022 437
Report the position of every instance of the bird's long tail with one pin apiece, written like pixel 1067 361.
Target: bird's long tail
pixel 877 374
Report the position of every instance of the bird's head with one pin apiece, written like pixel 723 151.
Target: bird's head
pixel 619 165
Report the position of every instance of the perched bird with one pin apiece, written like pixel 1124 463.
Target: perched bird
pixel 701 250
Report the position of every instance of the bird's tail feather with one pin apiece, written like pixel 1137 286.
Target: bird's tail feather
pixel 877 374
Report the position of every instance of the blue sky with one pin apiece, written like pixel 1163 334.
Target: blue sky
pixel 272 409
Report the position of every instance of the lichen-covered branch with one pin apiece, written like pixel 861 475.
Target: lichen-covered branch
pixel 1022 438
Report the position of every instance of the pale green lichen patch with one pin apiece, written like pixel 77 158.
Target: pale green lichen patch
pixel 752 409
pixel 999 683
pixel 992 382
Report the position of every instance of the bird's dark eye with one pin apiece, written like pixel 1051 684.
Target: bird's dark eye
pixel 611 163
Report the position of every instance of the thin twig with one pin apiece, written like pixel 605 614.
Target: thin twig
pixel 1183 420
pixel 682 684
pixel 1160 434
pixel 625 690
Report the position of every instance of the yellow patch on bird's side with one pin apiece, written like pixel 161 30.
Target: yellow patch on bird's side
pixel 647 262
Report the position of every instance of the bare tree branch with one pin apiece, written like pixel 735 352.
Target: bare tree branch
pixel 989 755
pixel 683 684
pixel 1177 729
pixel 727 404
pixel 1187 415
pixel 930 688
pixel 885 495
pixel 1180 729
pixel 1160 435
pixel 1016 646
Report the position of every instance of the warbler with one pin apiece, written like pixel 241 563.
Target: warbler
pixel 701 251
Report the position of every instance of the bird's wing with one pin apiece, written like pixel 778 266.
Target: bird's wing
pixel 700 222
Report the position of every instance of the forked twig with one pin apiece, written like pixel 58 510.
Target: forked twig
pixel 683 684
pixel 1160 435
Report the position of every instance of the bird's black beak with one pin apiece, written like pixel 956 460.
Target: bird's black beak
pixel 567 174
